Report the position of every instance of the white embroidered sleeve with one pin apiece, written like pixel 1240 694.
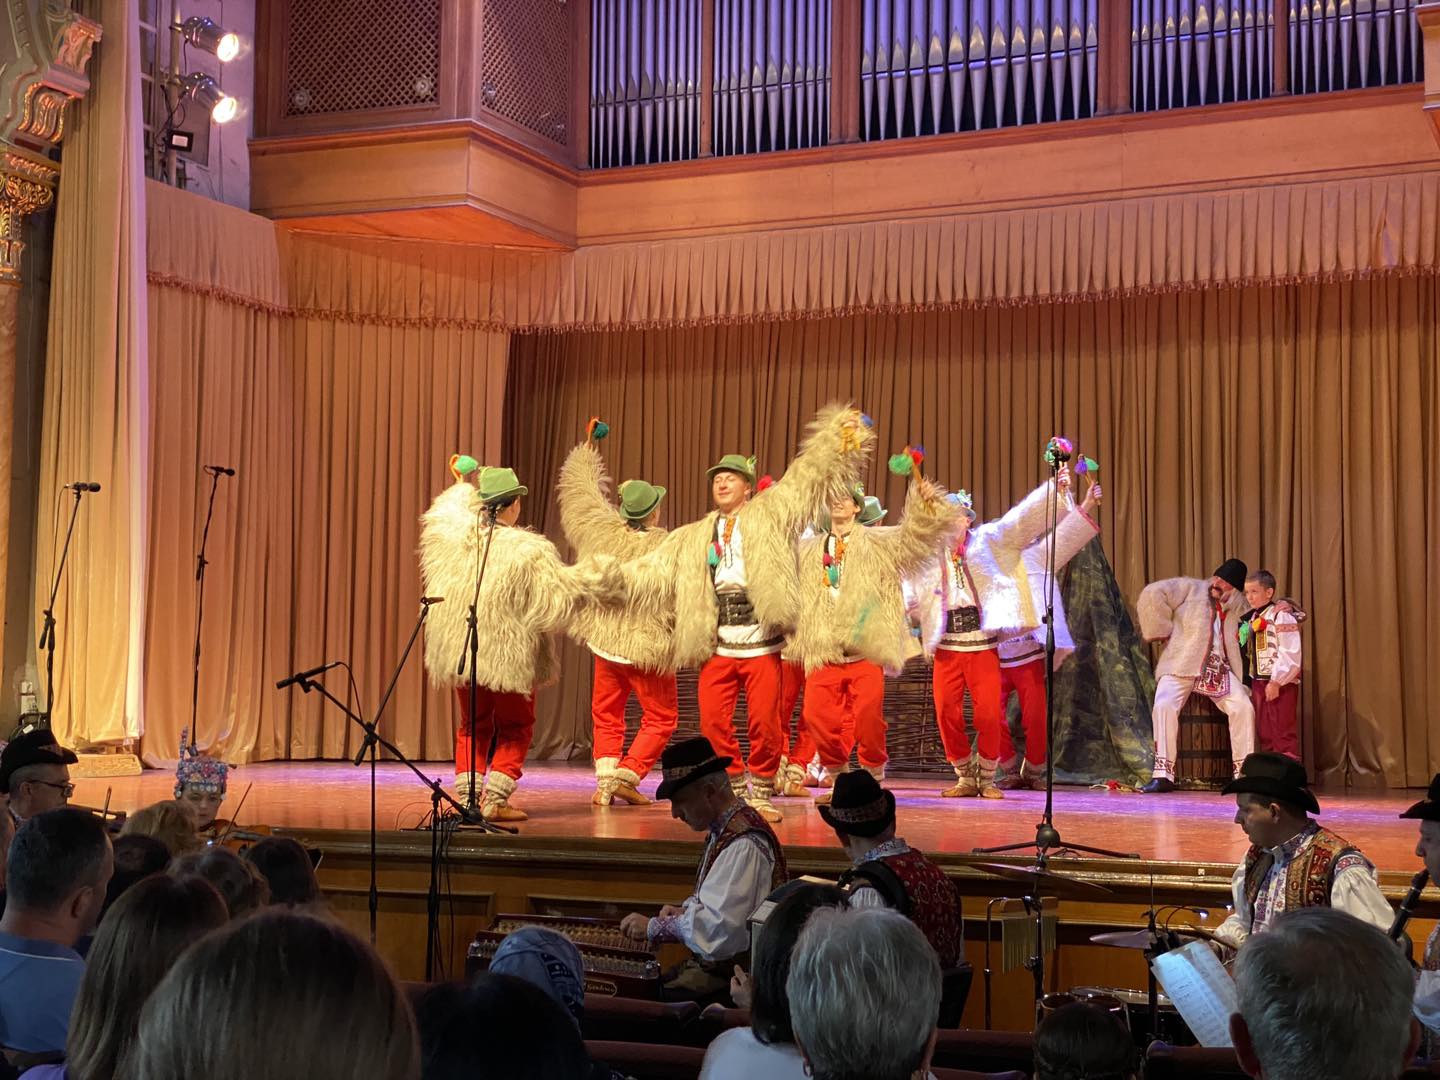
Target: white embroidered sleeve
pixel 1287 650
pixel 1356 892
pixel 713 923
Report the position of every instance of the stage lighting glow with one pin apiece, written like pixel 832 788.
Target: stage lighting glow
pixel 208 95
pixel 203 32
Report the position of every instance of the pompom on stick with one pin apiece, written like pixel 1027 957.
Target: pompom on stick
pixel 462 465
pixel 1087 466
pixel 596 429
pixel 1058 451
pixel 907 462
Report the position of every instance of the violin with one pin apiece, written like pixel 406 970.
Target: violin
pixel 113 820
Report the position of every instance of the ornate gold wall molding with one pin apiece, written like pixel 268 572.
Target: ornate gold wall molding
pixel 45 47
pixel 27 184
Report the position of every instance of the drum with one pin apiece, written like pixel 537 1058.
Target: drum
pixel 1202 760
pixel 1136 1005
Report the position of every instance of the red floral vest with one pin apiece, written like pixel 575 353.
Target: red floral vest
pixel 746 820
pixel 919 890
pixel 1311 873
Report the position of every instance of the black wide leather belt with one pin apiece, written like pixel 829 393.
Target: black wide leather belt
pixel 735 608
pixel 962 620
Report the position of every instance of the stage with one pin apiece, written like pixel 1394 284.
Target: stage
pixel 572 858
pixel 1186 828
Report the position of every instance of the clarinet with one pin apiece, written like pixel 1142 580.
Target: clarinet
pixel 1403 916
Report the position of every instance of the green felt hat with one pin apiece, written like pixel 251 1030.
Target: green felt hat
pixel 736 463
pixel 498 485
pixel 639 499
pixel 871 513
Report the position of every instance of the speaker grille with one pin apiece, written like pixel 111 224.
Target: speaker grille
pixel 525 61
pixel 361 55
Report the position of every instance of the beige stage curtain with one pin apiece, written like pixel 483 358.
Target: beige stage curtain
pixel 340 431
pixel 1292 426
pixel 97 382
pixel 1333 231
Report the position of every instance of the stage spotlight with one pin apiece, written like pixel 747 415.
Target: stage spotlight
pixel 208 95
pixel 203 32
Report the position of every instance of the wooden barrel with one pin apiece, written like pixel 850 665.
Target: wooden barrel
pixel 1202 761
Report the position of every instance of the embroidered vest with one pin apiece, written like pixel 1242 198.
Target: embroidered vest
pixel 1311 874
pixel 919 890
pixel 744 821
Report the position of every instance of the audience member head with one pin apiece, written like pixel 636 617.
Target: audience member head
pixel 769 1007
pixel 283 996
pixel 1323 996
pixel 547 959
pixel 286 867
pixel 137 943
pixel 861 812
pixel 136 858
pixel 1085 1042
pixel 864 992
pixel 55 876
pixel 169 822
pixel 1427 812
pixel 238 882
pixel 199 783
pixel 1272 797
pixel 498 1026
pixel 35 773
pixel 693 778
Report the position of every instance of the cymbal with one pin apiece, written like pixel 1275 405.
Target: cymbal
pixel 1039 879
pixel 1124 939
pixel 1143 939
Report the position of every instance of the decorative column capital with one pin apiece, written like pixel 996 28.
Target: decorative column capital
pixel 44 54
pixel 27 184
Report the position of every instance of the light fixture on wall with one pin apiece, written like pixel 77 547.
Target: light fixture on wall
pixel 206 93
pixel 184 89
pixel 204 33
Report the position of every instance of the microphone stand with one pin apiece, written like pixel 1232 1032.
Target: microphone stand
pixel 471 654
pixel 47 632
pixel 438 794
pixel 200 563
pixel 1047 836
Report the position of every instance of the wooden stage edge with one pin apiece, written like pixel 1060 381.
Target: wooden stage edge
pixel 576 859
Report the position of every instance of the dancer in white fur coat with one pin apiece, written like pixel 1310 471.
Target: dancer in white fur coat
pixel 527 594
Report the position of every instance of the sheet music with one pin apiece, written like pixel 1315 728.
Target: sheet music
pixel 1200 989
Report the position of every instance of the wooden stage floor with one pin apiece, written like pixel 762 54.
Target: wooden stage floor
pixel 1186 827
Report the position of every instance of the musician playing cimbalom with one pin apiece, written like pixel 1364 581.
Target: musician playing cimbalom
pixel 1427 983
pixel 852 629
pixel 741 865
pixel 527 594
pixel 1292 861
pixel 631 644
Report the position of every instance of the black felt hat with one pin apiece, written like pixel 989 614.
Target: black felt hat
pixel 859 805
pixel 1276 776
pixel 686 762
pixel 1428 808
pixel 1233 572
pixel 36 747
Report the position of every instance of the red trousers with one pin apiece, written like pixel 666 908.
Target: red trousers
pixel 656 693
pixel 801 750
pixel 1028 680
pixel 1276 725
pixel 978 672
pixel 845 704
pixel 508 717
pixel 721 678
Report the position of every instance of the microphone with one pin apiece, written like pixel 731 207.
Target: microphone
pixel 220 470
pixel 81 485
pixel 307 674
pixel 426 601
